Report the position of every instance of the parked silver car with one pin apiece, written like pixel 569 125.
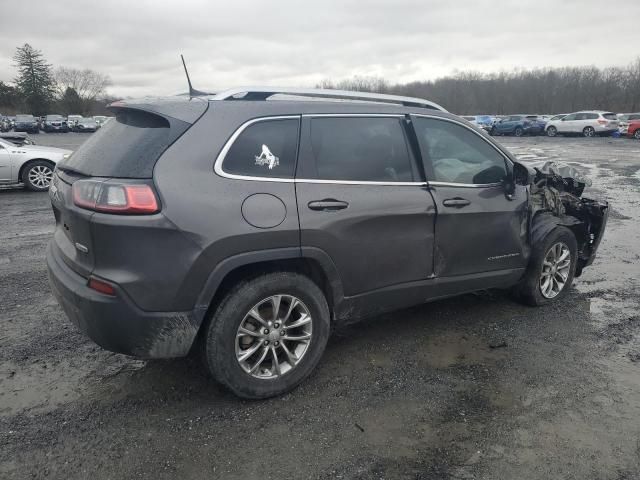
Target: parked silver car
pixel 32 165
pixel 588 123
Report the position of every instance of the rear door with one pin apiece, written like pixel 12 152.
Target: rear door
pixel 478 227
pixel 361 200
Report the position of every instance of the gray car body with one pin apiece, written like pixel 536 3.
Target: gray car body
pixel 396 245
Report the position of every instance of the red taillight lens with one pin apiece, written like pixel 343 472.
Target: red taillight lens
pixel 114 197
pixel 102 287
pixel 602 121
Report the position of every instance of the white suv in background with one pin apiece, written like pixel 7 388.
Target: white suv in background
pixel 589 123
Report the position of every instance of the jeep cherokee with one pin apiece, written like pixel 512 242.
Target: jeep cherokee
pixel 244 225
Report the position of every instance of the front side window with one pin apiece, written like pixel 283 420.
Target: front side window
pixel 370 149
pixel 265 149
pixel 571 116
pixel 456 154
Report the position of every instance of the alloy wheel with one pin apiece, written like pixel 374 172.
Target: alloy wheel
pixel 556 268
pixel 589 132
pixel 40 176
pixel 273 336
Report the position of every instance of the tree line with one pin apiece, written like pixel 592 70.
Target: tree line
pixel 542 91
pixel 40 89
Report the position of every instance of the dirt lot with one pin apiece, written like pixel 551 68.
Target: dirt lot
pixel 472 387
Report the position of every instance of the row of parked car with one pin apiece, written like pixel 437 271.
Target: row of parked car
pixel 51 123
pixel 589 123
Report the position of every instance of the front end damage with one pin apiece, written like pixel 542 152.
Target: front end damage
pixel 556 199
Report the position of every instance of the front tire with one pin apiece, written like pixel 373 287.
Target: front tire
pixel 267 335
pixel 552 131
pixel 551 269
pixel 37 175
pixel 518 132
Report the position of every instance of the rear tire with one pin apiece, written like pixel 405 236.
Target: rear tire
pixel 532 289
pixel 636 134
pixel 589 132
pixel 518 132
pixel 260 375
pixel 37 175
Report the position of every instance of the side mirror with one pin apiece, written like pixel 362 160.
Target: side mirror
pixel 522 175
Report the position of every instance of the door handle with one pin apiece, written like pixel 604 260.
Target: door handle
pixel 327 205
pixel 456 202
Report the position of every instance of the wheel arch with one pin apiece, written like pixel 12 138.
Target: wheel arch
pixel 312 262
pixel 545 222
pixel 29 162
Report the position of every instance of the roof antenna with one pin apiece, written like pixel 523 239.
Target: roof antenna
pixel 192 91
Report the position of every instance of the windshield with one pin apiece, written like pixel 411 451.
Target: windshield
pixel 24 118
pixel 87 120
pixel 54 117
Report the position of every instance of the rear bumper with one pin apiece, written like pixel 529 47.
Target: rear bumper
pixel 115 323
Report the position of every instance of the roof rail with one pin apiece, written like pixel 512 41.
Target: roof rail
pixel 263 93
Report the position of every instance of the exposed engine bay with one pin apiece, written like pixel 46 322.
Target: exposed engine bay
pixel 556 199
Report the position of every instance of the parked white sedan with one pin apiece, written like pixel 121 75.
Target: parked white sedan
pixel 29 164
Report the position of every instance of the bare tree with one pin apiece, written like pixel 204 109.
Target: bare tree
pixel 88 83
pixel 547 90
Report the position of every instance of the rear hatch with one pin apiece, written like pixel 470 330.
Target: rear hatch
pixel 124 150
pixel 611 120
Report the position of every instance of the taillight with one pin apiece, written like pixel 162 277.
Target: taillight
pixel 602 121
pixel 114 197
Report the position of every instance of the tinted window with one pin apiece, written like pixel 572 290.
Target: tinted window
pixel 360 149
pixel 634 117
pixel 591 116
pixel 126 147
pixel 570 117
pixel 265 149
pixel 456 154
pixel 609 116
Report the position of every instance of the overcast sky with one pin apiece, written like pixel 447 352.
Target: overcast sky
pixel 298 43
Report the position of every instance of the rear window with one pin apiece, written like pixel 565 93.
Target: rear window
pixel 126 147
pixel 610 116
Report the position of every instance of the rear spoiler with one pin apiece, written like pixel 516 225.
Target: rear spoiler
pixel 185 109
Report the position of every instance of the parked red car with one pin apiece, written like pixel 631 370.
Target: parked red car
pixel 634 129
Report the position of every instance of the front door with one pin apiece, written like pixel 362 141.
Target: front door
pixel 478 228
pixel 362 201
pixel 569 123
pixel 5 163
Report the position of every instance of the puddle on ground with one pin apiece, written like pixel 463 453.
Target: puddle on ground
pixel 453 349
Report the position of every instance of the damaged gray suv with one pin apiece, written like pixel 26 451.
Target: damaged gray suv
pixel 245 225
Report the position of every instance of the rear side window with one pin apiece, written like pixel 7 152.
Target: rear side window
pixel 265 149
pixel 610 116
pixel 366 149
pixel 455 154
pixel 126 147
pixel 591 116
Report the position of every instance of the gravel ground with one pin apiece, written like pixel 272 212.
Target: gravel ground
pixel 472 387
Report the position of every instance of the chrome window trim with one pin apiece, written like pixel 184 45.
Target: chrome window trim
pixel 219 170
pixel 465 185
pixel 479 134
